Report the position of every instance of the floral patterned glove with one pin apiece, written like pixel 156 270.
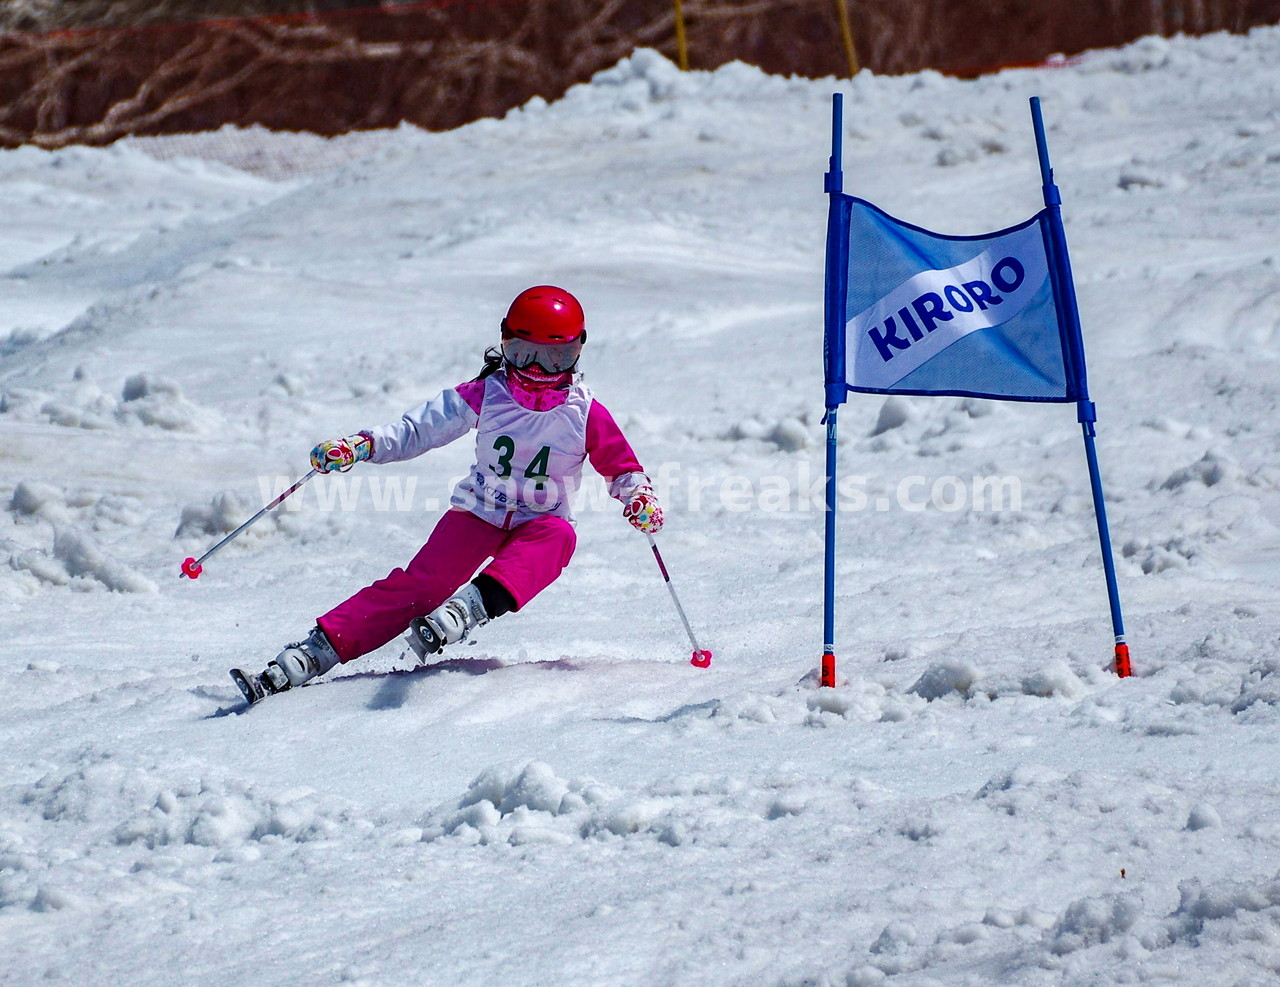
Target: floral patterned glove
pixel 644 511
pixel 341 454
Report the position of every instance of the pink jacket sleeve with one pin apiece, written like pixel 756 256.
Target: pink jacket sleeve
pixel 611 455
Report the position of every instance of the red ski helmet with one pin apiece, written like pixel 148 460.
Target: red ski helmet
pixel 545 314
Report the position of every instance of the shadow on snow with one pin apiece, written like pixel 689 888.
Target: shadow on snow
pixel 397 682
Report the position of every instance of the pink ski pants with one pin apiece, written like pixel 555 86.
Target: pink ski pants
pixel 526 560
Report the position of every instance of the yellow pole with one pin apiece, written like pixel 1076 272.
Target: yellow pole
pixel 846 35
pixel 682 43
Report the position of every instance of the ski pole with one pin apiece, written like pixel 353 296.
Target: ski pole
pixel 193 567
pixel 702 659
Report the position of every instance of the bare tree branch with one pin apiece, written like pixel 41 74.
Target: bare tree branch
pixel 329 67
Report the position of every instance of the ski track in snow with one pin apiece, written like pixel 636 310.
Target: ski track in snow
pixel 566 799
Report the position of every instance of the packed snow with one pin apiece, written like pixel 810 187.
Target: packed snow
pixel 566 799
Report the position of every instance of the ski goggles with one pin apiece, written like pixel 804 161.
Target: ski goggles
pixel 555 358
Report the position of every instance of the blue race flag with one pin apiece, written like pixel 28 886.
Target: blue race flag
pixel 909 311
pixel 916 312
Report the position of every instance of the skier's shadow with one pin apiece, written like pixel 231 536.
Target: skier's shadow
pixel 396 683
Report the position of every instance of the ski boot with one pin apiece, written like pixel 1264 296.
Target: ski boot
pixel 297 663
pixel 448 623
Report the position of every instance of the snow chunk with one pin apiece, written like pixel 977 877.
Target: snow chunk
pixel 52 899
pixel 632 816
pixel 1021 789
pixel 90 793
pixel 228 814
pixel 755 708
pixel 895 938
pixel 1156 557
pixel 218 822
pixel 223 515
pixel 84 558
pixel 531 805
pixel 1210 469
pixel 944 679
pixel 1055 679
pixel 146 399
pixel 1144 55
pixel 78 561
pixel 788 434
pixel 662 79
pixel 21 402
pixel 894 413
pixel 1090 921
pixel 83 406
pixel 157 401
pixel 892 950
pixel 855 700
pixel 537 787
pixel 1203 816
pixel 1137 176
pixel 141 386
pixel 1261 686
pixel 489 786
pixel 135 805
pixel 33 499
pixel 1228 910
pixel 39 564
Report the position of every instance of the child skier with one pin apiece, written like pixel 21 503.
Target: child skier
pixel 535 425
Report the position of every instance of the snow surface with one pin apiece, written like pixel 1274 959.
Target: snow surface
pixel 568 800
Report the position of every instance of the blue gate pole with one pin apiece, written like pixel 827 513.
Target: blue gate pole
pixel 1087 413
pixel 827 675
pixel 833 353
